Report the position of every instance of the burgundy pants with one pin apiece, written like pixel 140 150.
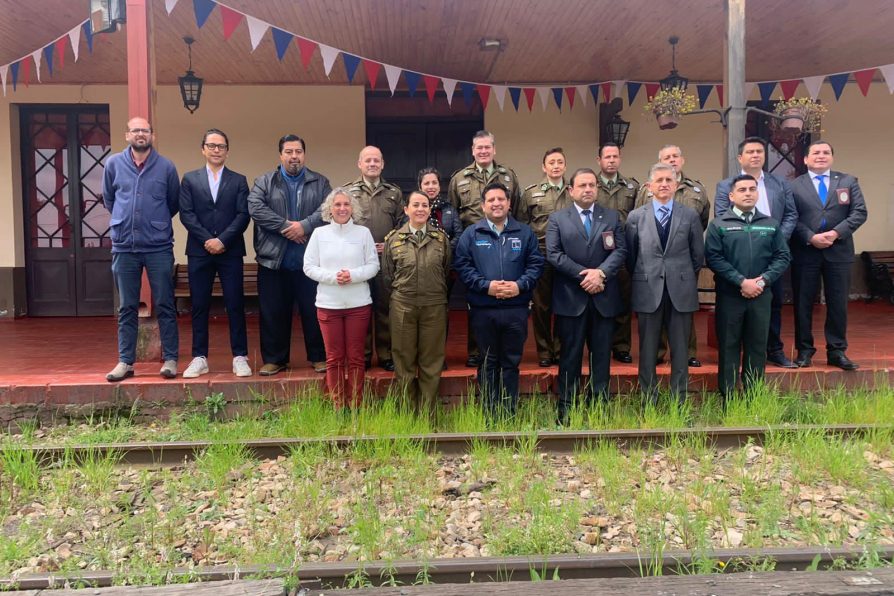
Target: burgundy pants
pixel 344 335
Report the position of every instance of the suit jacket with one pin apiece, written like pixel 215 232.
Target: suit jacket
pixel 675 266
pixel 204 219
pixel 570 251
pixel 844 212
pixel 779 195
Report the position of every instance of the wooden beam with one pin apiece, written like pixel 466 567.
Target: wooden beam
pixel 266 587
pixel 139 64
pixel 734 82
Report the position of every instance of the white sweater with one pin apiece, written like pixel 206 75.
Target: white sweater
pixel 341 246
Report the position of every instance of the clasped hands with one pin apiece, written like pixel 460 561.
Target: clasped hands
pixel 502 290
pixel 593 282
pixel 215 246
pixel 824 239
pixel 294 232
pixel 750 289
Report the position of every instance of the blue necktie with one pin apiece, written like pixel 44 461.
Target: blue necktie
pixel 663 216
pixel 822 189
pixel 588 223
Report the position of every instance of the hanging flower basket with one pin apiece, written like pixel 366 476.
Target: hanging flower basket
pixel 668 105
pixel 798 116
pixel 667 121
pixel 793 120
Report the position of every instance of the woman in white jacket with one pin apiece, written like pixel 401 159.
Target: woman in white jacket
pixel 341 257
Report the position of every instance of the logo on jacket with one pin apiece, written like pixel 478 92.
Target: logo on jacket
pixel 515 244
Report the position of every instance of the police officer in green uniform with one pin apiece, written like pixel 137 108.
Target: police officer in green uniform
pixel 747 252
pixel 538 201
pixel 415 265
pixel 464 192
pixel 382 207
pixel 690 192
pixel 617 192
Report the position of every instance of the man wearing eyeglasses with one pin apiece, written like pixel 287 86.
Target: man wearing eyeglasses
pixel 214 211
pixel 141 190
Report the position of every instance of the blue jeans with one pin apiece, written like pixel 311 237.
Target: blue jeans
pixel 127 269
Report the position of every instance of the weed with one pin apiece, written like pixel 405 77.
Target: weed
pixel 215 404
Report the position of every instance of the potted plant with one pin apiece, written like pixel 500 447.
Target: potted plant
pixel 799 115
pixel 669 104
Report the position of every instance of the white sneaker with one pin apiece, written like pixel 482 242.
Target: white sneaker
pixel 198 367
pixel 241 367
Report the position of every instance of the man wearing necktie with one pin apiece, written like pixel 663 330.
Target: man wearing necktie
pixel 830 208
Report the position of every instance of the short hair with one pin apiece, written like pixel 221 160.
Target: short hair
pixel 326 207
pixel 661 166
pixel 494 186
pixel 549 152
pixel 580 171
pixel 819 142
pixel 609 144
pixel 425 172
pixel 740 178
pixel 290 138
pixel 482 134
pixel 668 146
pixel 217 131
pixel 748 140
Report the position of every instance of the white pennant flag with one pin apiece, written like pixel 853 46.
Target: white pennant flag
pixel 813 85
pixel 74 36
pixel 329 54
pixel 449 88
pixel 583 92
pixel 256 30
pixel 3 70
pixel 392 73
pixel 499 92
pixel 618 88
pixel 169 5
pixel 543 93
pixel 888 73
pixel 37 56
pixel 749 89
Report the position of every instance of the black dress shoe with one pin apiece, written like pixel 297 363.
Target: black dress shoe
pixel 803 360
pixel 621 356
pixel 367 364
pixel 473 362
pixel 841 361
pixel 388 365
pixel 545 362
pixel 659 361
pixel 780 360
pixel 695 363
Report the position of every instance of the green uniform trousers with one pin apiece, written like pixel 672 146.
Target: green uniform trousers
pixel 418 335
pixel 545 339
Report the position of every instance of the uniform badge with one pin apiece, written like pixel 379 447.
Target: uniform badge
pixel 537 194
pixel 843 196
pixel 696 189
pixel 630 185
pixel 608 240
pixel 515 244
pixel 507 178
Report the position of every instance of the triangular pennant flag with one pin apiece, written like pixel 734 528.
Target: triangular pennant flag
pixel 256 30
pixel 372 71
pixel 529 97
pixel 719 89
pixel 703 92
pixel 606 89
pixel 594 91
pixel 392 73
pixel 888 73
pixel 515 96
pixel 231 20
pixel 813 85
pixel 48 57
pixel 543 94
pixel 412 79
pixel 36 56
pixel 329 54
pixel 557 97
pixel 651 90
pixel 569 93
pixel 766 89
pixel 431 86
pixel 26 71
pixel 88 34
pixel 632 90
pixel 3 70
pixel 499 93
pixel 169 5
pixel 788 88
pixel 484 94
pixel 203 10
pixel 306 47
pixel 449 88
pixel 582 91
pixel 619 86
pixel 467 89
pixel 15 74
pixel 282 40
pixel 838 82
pixel 864 79
pixel 749 90
pixel 75 37
pixel 351 64
pixel 60 51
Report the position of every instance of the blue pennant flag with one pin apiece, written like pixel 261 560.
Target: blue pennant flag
pixel 282 40
pixel 14 67
pixel 468 90
pixel 594 91
pixel 766 90
pixel 88 34
pixel 838 82
pixel 351 64
pixel 203 10
pixel 557 95
pixel 412 79
pixel 48 57
pixel 632 90
pixel 703 92
pixel 515 96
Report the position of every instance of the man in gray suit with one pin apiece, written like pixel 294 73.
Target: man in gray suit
pixel 665 251
pixel 776 200
pixel 585 244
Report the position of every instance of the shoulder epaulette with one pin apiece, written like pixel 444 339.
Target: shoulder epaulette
pixel 531 186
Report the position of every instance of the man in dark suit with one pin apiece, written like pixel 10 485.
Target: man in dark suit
pixel 776 200
pixel 214 211
pixel 665 250
pixel 586 246
pixel 830 209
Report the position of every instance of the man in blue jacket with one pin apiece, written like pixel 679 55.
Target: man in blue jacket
pixel 498 260
pixel 141 189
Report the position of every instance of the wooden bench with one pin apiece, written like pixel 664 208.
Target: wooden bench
pixel 249 283
pixel 879 274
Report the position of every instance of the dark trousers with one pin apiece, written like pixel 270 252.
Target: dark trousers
pixel 650 325
pixel 774 339
pixel 545 337
pixel 596 331
pixel 202 270
pixel 278 292
pixel 836 284
pixel 621 338
pixel 742 327
pixel 380 324
pixel 501 334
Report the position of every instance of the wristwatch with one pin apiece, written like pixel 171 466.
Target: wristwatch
pixel 761 283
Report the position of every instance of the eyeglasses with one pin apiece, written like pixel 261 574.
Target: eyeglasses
pixel 140 131
pixel 216 146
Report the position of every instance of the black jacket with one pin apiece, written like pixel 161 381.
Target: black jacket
pixel 204 218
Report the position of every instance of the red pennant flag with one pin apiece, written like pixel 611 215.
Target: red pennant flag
pixel 720 94
pixel 789 88
pixel 569 93
pixel 529 96
pixel 60 51
pixel 372 71
pixel 484 94
pixel 431 86
pixel 26 69
pixel 231 20
pixel 864 79
pixel 606 91
pixel 651 90
pixel 307 48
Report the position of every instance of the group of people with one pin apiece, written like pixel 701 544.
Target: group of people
pixel 371 271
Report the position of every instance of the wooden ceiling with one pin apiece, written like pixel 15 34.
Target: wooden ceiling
pixel 548 41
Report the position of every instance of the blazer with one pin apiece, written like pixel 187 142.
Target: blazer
pixel 779 195
pixel 675 267
pixel 844 212
pixel 204 219
pixel 570 251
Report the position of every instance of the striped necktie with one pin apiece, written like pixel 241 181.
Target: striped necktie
pixel 664 214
